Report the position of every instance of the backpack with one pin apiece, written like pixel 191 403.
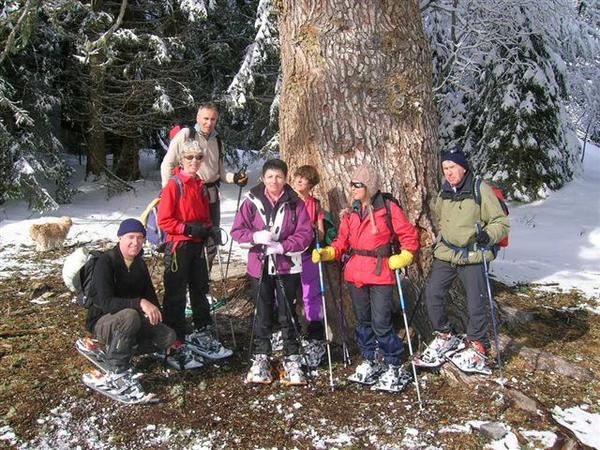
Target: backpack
pixel 499 195
pixel 387 198
pixel 77 273
pixel 149 218
pixel 328 223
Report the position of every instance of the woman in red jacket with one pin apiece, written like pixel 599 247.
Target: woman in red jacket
pixel 365 240
pixel 183 213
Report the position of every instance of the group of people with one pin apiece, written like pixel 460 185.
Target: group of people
pixel 282 225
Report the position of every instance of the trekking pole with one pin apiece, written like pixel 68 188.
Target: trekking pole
pixel 237 207
pixel 256 301
pixel 327 336
pixel 410 349
pixel 288 307
pixel 226 298
pixel 486 274
pixel 214 300
pixel 342 320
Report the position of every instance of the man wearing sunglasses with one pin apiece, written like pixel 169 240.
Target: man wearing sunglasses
pixel 466 230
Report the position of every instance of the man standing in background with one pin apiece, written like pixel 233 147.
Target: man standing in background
pixel 211 171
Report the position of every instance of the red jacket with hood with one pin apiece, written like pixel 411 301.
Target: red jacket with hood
pixel 360 231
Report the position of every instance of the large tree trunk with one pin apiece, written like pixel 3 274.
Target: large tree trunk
pixel 128 167
pixel 357 89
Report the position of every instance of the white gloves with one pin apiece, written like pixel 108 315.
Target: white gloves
pixel 274 248
pixel 263 237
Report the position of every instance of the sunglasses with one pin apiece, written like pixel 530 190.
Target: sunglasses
pixel 196 157
pixel 357 184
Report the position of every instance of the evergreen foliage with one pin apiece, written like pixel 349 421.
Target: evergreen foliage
pixel 514 80
pixel 504 81
pixel 31 163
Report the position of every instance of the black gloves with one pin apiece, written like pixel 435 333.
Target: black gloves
pixel 482 239
pixel 240 178
pixel 195 230
pixel 215 234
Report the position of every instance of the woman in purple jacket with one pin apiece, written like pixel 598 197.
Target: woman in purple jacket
pixel 273 223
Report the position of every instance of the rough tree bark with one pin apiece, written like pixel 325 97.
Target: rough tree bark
pixel 357 89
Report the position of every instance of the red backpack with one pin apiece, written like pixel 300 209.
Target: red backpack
pixel 499 195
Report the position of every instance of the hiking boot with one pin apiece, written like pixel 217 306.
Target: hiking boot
pixel 394 379
pixel 203 343
pixel 314 351
pixel 181 358
pixel 366 372
pixel 260 372
pixel 292 371
pixel 443 344
pixel 472 359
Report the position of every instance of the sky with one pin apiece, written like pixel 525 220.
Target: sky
pixel 554 243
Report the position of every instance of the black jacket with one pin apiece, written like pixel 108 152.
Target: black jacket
pixel 116 287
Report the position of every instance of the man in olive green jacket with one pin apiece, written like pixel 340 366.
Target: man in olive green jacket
pixel 467 229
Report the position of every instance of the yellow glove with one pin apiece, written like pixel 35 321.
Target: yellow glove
pixel 323 254
pixel 401 260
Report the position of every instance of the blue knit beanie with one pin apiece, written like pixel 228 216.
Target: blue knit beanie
pixel 456 155
pixel 131 226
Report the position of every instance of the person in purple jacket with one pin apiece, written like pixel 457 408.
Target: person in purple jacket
pixel 274 224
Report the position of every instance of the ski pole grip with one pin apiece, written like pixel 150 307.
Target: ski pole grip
pixel 478 226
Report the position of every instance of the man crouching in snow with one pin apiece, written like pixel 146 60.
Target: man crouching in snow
pixel 124 313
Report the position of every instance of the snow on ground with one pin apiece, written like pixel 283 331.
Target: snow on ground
pixel 585 425
pixel 96 217
pixel 554 242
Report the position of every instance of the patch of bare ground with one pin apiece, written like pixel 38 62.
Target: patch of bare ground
pixel 40 371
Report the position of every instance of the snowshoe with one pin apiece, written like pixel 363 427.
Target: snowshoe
pixel 260 372
pixel 182 358
pixel 444 344
pixel 203 343
pixel 394 379
pixel 471 359
pixel 90 348
pixel 366 373
pixel 314 351
pixel 292 373
pixel 123 387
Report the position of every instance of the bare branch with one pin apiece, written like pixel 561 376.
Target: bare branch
pixel 101 41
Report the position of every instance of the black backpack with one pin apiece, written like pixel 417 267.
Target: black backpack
pixel 387 198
